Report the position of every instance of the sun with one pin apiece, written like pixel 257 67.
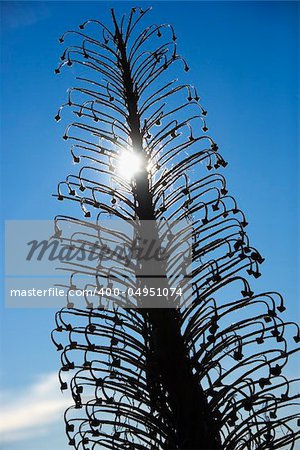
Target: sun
pixel 129 164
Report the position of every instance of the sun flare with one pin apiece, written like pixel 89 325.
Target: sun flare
pixel 129 165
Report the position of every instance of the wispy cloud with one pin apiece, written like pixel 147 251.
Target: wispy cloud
pixel 30 411
pixel 19 13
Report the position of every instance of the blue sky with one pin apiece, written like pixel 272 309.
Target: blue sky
pixel 244 62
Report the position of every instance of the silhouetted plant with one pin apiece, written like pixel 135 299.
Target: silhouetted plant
pixel 208 374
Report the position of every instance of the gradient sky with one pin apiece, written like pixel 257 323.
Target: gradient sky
pixel 244 62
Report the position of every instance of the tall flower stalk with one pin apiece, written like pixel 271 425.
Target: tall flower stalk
pixel 205 374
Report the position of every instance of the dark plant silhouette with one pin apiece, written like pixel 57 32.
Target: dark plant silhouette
pixel 207 374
